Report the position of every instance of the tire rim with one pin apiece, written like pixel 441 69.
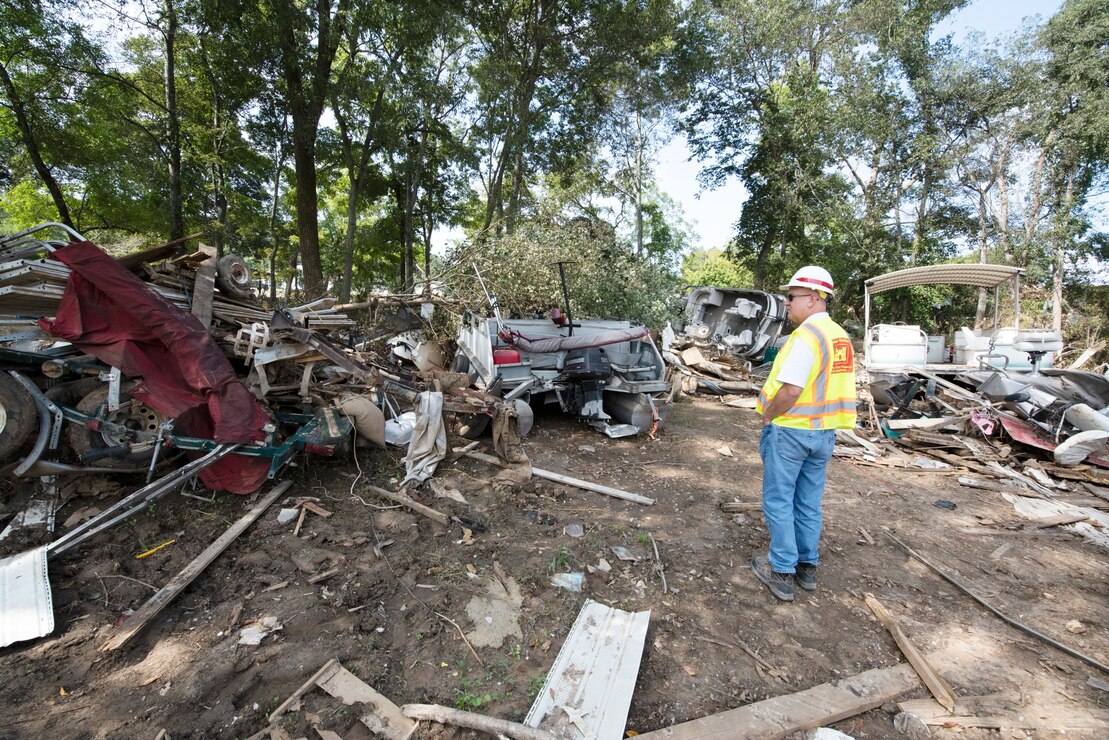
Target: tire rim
pixel 3 418
pixel 136 417
pixel 239 274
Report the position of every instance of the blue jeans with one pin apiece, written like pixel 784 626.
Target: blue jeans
pixel 794 463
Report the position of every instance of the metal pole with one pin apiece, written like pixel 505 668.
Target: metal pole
pixel 566 296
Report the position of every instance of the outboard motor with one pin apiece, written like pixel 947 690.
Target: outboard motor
pixel 587 369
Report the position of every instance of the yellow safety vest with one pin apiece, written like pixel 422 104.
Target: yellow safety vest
pixel 828 399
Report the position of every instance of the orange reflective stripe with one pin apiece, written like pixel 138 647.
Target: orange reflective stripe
pixel 828 399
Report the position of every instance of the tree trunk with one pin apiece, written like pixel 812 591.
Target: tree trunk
pixel 173 124
pixel 356 176
pixel 23 123
pixel 281 153
pixel 983 256
pixel 219 198
pixel 638 181
pixel 308 230
pixel 1062 237
pixel 305 95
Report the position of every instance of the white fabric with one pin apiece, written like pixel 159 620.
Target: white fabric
pixel 429 439
pixel 799 362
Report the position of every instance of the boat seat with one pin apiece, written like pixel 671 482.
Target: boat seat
pixel 1038 341
pixel 972 341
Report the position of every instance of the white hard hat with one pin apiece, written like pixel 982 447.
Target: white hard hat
pixel 812 277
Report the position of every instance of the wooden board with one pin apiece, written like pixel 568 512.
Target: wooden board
pixel 782 715
pixel 385 718
pixel 1029 718
pixel 934 681
pixel 204 287
pixel 180 581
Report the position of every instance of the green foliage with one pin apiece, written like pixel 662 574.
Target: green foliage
pixel 561 560
pixel 713 267
pixel 605 279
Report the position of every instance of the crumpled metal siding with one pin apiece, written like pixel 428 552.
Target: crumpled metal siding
pixel 25 601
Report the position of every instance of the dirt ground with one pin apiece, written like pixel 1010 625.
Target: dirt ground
pixel 394 617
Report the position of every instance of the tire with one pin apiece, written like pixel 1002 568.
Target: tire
pixel 18 416
pixel 233 276
pixel 131 413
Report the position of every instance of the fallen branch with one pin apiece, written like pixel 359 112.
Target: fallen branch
pixel 450 716
pixel 462 635
pixel 658 565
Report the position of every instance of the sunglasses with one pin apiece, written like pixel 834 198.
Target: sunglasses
pixel 795 296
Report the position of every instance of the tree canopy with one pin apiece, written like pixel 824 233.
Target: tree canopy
pixel 329 141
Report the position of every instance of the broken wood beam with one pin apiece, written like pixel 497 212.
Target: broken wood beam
pixel 576 482
pixel 988 485
pixel 934 681
pixel 1027 718
pixel 780 716
pixel 736 507
pixel 180 581
pixel 459 718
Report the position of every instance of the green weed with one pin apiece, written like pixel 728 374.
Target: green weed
pixel 561 560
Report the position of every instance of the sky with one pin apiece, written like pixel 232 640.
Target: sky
pixel 712 213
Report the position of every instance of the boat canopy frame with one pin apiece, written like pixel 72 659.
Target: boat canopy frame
pixel 975 274
pixel 978 275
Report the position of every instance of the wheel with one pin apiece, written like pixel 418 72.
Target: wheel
pixel 472 425
pixel 131 413
pixel 18 416
pixel 233 276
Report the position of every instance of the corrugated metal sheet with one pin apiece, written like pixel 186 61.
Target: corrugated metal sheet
pixel 26 608
pixel 983 276
pixel 589 688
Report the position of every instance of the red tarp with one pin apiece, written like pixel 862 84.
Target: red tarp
pixel 111 314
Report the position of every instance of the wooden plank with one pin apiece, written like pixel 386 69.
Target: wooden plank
pixel 989 485
pixel 780 716
pixel 931 713
pixel 411 503
pixel 934 681
pixel 385 718
pixel 325 670
pixel 179 582
pixel 735 507
pixel 204 287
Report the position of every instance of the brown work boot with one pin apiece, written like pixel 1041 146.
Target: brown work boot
pixel 780 584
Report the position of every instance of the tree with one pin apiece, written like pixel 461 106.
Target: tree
pixel 1078 70
pixel 308 39
pixel 32 47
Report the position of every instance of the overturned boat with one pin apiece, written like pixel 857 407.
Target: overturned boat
pixel 608 373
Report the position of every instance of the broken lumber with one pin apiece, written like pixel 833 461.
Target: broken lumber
pixel 780 716
pixel 935 683
pixel 492 725
pixel 576 482
pixel 180 581
pixel 735 507
pixel 1012 622
pixel 988 485
pixel 411 503
pixel 385 717
pixel 931 713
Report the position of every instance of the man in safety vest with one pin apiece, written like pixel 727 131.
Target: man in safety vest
pixel 809 394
